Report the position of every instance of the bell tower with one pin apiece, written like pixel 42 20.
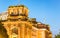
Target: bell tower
pixel 17 12
pixel 14 25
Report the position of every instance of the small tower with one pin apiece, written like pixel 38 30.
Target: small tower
pixel 17 12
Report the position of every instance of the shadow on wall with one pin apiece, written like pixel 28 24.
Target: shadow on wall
pixel 3 32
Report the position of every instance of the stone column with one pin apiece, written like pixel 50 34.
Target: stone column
pixel 22 30
pixel 19 32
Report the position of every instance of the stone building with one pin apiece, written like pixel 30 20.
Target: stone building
pixel 19 25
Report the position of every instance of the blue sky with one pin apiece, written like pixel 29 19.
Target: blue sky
pixel 45 11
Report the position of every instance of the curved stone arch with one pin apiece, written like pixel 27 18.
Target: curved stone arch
pixel 15 30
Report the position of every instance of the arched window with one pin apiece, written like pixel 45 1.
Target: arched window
pixel 15 30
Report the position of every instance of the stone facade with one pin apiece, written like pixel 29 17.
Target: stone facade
pixel 19 25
